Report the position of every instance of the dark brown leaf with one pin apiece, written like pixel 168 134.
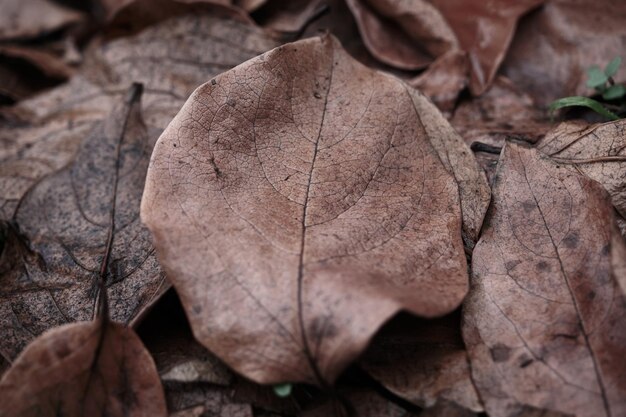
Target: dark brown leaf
pixel 555 45
pixel 303 189
pixel 545 320
pixel 424 362
pixel 83 369
pixel 76 223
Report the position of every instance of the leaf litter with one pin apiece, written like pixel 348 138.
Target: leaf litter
pixel 317 204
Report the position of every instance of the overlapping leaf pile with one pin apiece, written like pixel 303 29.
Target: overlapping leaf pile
pixel 336 216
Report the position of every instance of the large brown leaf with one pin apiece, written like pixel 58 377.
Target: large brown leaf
pixel 76 222
pixel 555 45
pixel 297 203
pixel 545 320
pixel 83 369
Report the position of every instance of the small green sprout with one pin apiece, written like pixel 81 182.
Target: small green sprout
pixel 604 85
pixel 283 390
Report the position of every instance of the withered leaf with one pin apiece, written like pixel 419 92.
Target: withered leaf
pixel 171 59
pixel 356 402
pixel 423 361
pixel 410 35
pixel 76 223
pixel 297 203
pixel 598 151
pixel 83 369
pixel 554 46
pixel 545 320
pixel 406 35
pixel 21 19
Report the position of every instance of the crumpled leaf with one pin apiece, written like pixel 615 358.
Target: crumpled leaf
pixel 74 223
pixel 554 47
pixel 444 79
pixel 22 19
pixel 83 369
pixel 302 187
pixel 291 16
pixel 545 320
pixel 405 35
pixel 424 362
pixel 42 134
pixel 411 34
pixel 598 151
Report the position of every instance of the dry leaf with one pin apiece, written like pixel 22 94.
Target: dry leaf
pixel 406 35
pixel 598 151
pixel 545 320
pixel 448 409
pixel 290 16
pixel 411 34
pixel 555 45
pixel 171 59
pixel 423 361
pixel 444 80
pixel 302 188
pixel 21 19
pixel 83 369
pixel 76 222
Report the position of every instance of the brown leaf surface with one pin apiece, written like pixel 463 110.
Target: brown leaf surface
pixel 362 403
pixel 411 34
pixel 555 45
pixel 302 187
pixel 598 151
pixel 83 369
pixel 423 361
pixel 545 319
pixel 72 225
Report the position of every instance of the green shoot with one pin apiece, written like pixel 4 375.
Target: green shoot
pixel 283 390
pixel 580 101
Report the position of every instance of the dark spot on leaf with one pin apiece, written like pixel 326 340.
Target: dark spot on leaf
pixel 213 82
pixel 543 266
pixel 526 362
pixel 317 95
pixel 500 353
pixel 528 206
pixel 571 241
pixel 605 250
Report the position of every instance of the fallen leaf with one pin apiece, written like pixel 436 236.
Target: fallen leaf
pixel 411 34
pixel 74 223
pixel 444 79
pixel 424 362
pixel 302 187
pixel 460 162
pixel 406 35
pixel 554 47
pixel 598 151
pixel 544 322
pixel 83 369
pixel 42 134
pixel 21 19
pixel 290 16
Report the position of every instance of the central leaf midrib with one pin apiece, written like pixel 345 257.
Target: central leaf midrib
pixel 305 341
